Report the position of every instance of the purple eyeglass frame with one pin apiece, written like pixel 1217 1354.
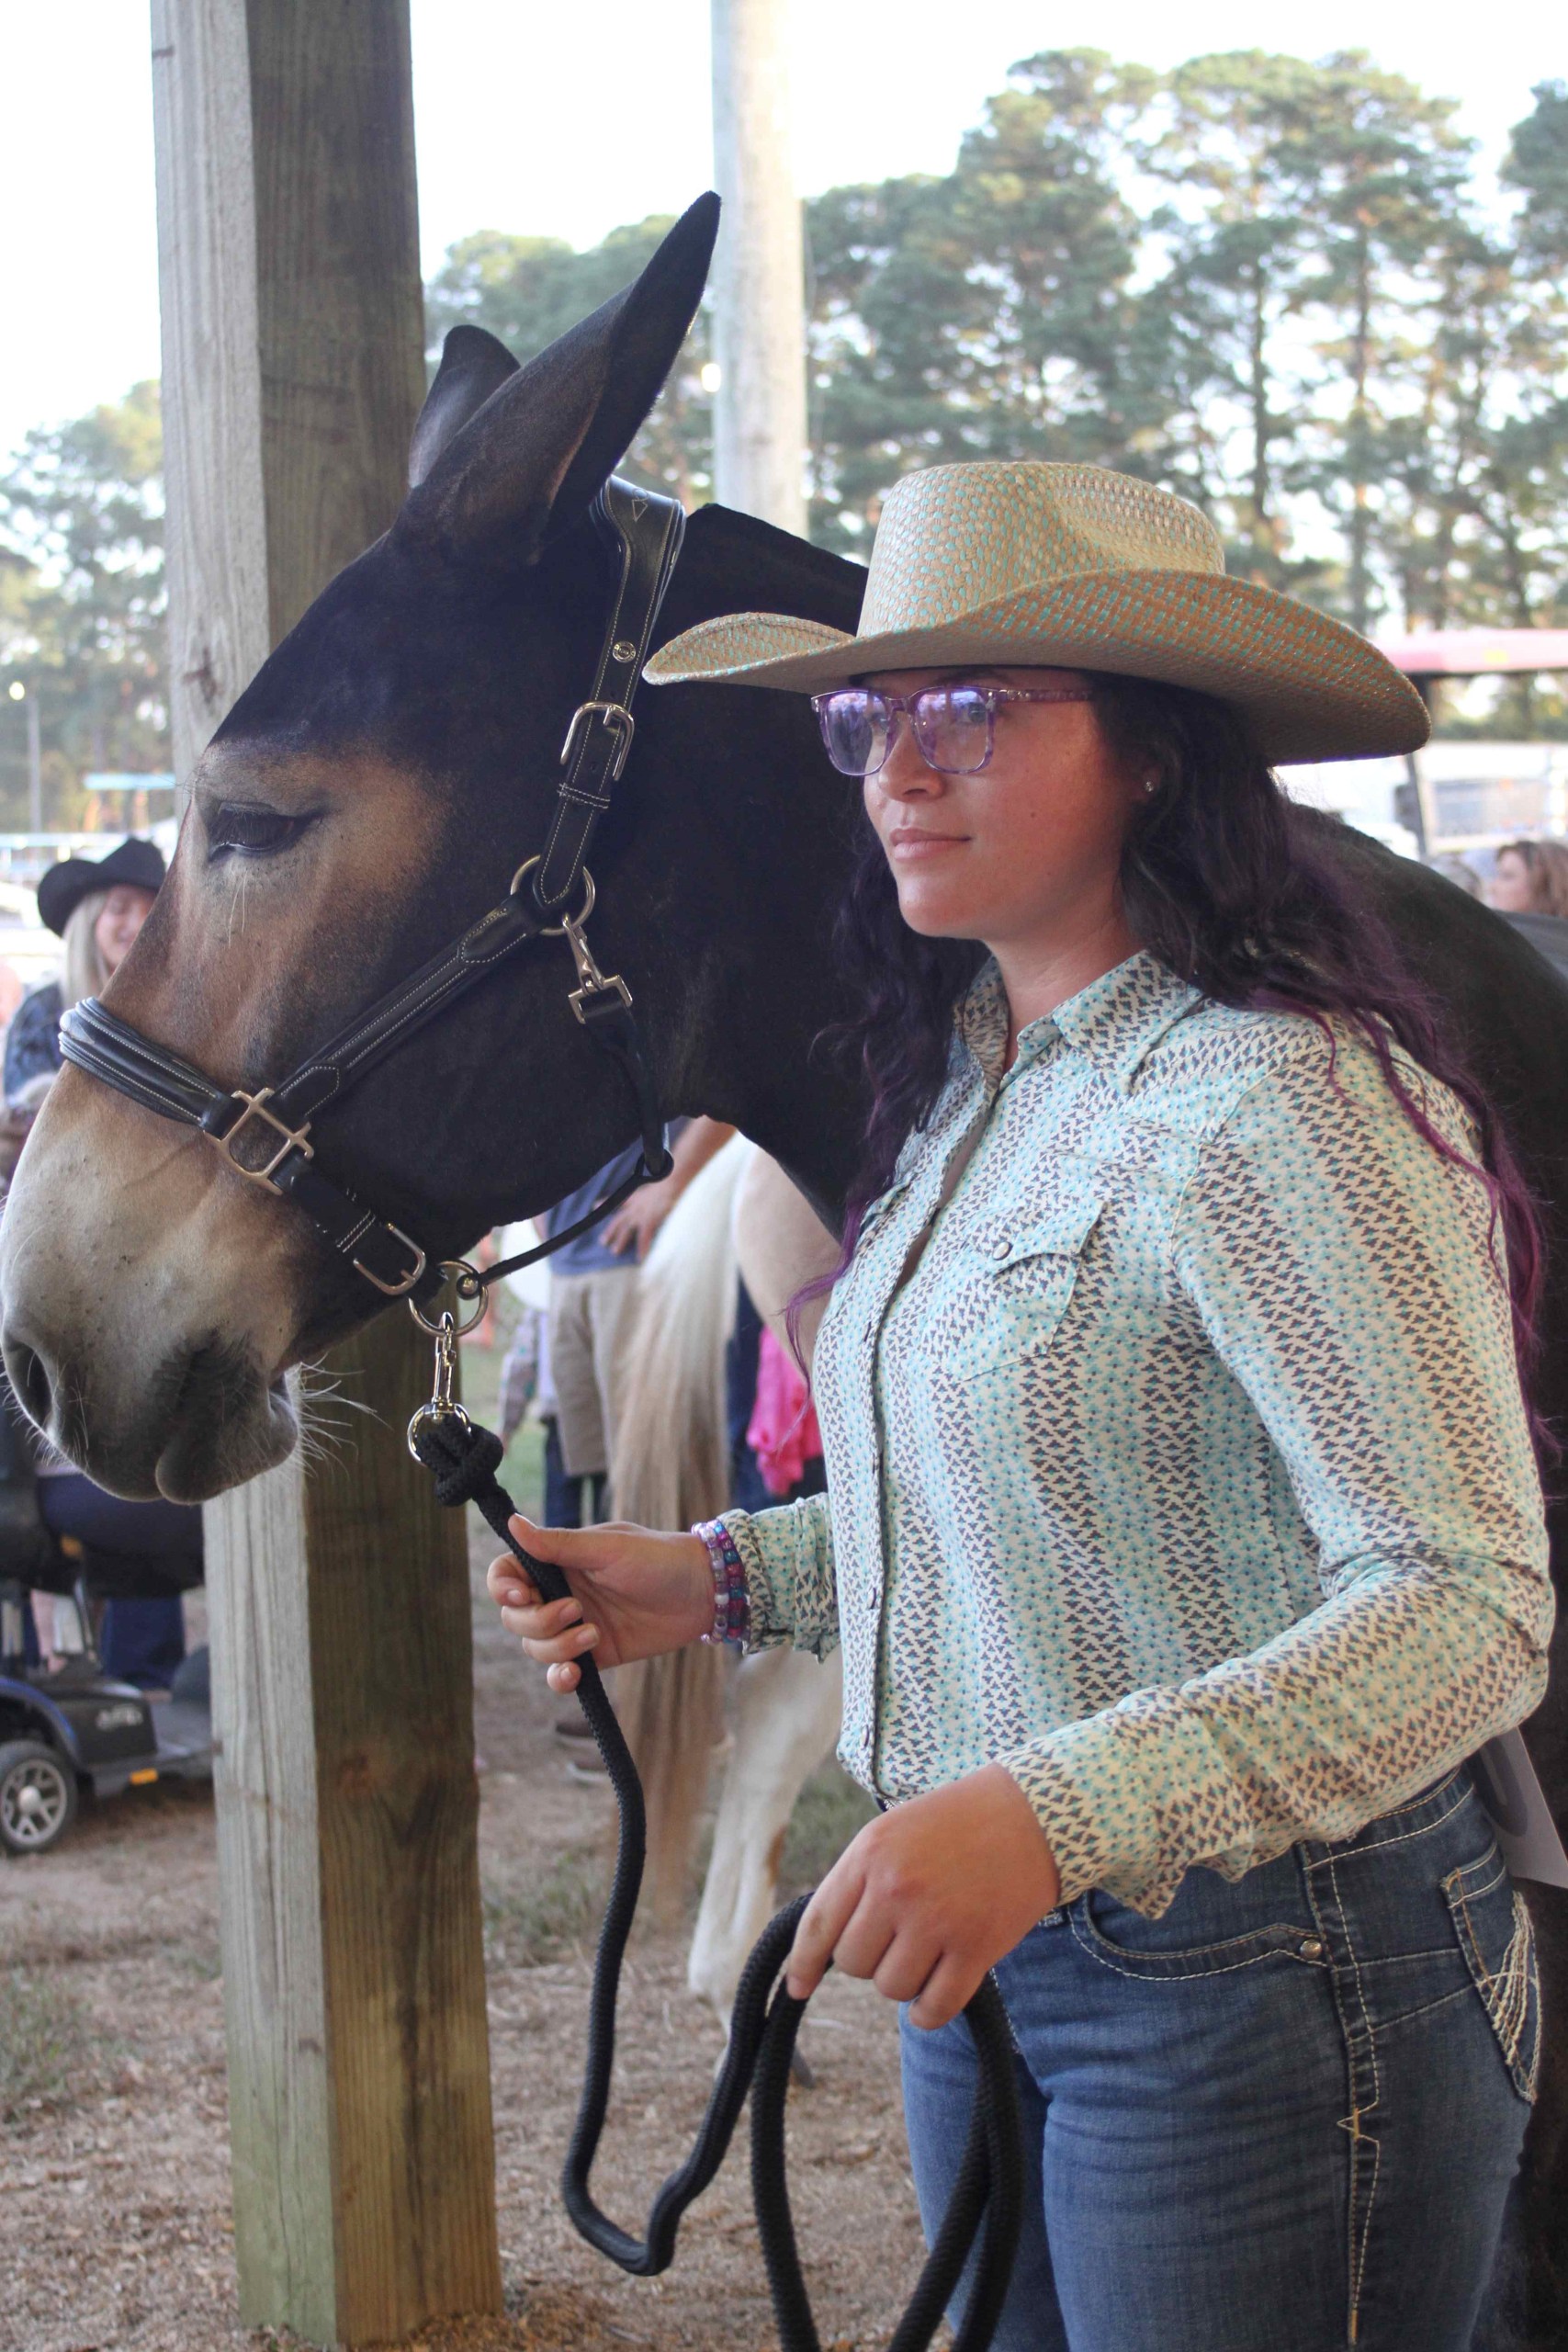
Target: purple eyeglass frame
pixel 906 707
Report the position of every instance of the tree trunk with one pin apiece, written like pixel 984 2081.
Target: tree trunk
pixel 1262 536
pixel 1360 520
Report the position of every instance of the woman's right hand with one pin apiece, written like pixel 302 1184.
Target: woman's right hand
pixel 636 1593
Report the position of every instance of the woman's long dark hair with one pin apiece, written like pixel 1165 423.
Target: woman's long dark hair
pixel 1218 885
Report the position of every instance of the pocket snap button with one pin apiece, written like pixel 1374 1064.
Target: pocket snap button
pixel 1000 1249
pixel 1310 1947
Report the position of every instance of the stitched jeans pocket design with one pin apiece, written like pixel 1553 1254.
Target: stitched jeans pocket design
pixel 1499 1943
pixel 1153 1957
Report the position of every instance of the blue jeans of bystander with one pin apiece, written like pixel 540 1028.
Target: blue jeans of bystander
pixel 1281 2118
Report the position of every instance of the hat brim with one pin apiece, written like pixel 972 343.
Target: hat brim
pixel 1308 688
pixel 136 863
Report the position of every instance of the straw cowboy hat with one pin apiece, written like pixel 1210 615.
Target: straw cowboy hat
pixel 1073 566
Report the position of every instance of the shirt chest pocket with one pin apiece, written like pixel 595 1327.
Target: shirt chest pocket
pixel 1007 1288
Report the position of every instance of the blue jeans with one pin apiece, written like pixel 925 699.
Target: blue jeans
pixel 1281 2118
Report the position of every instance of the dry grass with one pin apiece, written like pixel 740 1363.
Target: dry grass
pixel 48 2051
pixel 830 1810
pixel 557 1912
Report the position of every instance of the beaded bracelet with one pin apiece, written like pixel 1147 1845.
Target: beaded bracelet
pixel 731 1610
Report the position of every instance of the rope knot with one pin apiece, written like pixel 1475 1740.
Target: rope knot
pixel 460 1455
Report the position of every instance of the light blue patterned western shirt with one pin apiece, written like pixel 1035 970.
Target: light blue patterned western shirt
pixel 1187 1475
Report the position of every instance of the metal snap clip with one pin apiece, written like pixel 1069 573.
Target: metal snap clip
pixel 1310 1947
pixel 443 1405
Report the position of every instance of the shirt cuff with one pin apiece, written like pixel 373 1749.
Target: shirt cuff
pixel 789 1587
pixel 1078 1785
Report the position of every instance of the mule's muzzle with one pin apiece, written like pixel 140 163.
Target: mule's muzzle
pixel 201 1419
pixel 30 1383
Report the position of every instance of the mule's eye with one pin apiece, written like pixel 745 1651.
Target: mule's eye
pixel 252 830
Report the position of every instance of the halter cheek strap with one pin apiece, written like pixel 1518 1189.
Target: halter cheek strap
pixel 265 1134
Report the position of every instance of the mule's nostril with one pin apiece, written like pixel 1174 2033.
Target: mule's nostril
pixel 32 1381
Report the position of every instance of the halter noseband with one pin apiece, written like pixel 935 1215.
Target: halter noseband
pixel 265 1135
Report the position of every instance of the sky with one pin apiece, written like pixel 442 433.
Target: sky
pixel 564 121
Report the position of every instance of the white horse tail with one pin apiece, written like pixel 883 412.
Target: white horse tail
pixel 672 1466
pixel 786 1704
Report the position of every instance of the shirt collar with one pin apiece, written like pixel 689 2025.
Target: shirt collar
pixel 1115 1022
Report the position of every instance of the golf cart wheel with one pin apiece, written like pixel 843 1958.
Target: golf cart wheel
pixel 38 1797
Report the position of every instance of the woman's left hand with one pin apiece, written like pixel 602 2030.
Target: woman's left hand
pixel 931 1895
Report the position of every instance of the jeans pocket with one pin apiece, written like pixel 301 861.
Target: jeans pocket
pixel 1499 1943
pixel 1133 1945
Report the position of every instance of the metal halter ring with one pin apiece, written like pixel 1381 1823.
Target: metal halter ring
pixel 557 929
pixel 467 1286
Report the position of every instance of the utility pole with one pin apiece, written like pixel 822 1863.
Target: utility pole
pixel 35 767
pixel 35 755
pixel 759 268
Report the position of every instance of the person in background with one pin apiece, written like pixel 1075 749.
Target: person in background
pixel 1529 889
pixel 520 1372
pixel 592 1292
pixel 141 1639
pixel 97 907
pixel 776 1446
pixel 1454 869
pixel 593 1302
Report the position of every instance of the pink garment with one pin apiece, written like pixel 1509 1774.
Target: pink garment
pixel 783 1432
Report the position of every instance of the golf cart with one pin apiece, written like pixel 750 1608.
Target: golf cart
pixel 79 1724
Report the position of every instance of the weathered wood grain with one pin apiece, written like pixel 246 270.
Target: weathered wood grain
pixel 397 1809
pixel 353 1990
pixel 340 305
pixel 280 2102
pixel 216 528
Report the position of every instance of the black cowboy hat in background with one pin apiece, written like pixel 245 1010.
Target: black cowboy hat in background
pixel 65 885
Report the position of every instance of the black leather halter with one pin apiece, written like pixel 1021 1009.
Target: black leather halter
pixel 265 1134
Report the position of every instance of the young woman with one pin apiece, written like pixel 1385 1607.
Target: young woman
pixel 97 907
pixel 1183 1533
pixel 1530 879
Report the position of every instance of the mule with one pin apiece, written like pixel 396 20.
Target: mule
pixel 390 767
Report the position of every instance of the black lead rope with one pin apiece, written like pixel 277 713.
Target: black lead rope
pixel 463 1458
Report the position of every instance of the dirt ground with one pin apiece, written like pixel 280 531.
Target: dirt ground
pixel 115 2226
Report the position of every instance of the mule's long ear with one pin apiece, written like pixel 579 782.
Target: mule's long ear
pixel 473 364
pixel 532 455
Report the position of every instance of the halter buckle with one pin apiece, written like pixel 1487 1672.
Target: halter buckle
pixel 256 1108
pixel 398 1289
pixel 609 714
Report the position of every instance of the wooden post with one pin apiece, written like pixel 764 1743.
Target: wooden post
pixel 759 269
pixel 352 1963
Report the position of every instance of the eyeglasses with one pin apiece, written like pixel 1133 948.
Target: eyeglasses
pixel 955 725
